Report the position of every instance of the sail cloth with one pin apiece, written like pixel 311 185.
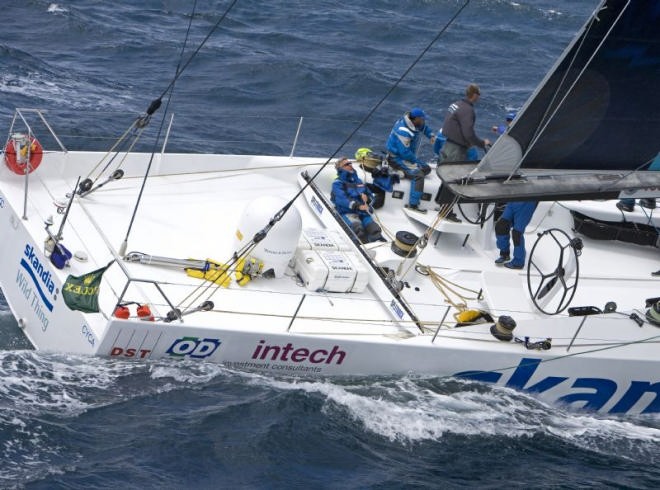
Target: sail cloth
pixel 598 110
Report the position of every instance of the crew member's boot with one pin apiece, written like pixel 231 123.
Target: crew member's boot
pixel 503 245
pixel 504 257
pixel 373 232
pixel 518 261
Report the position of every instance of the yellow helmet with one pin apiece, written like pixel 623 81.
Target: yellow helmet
pixel 362 153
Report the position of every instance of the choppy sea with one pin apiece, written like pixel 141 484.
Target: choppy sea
pixel 92 66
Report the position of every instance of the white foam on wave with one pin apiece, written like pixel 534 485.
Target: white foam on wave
pixel 402 410
pixel 56 8
pixel 33 383
pixel 64 91
pixel 187 372
pixel 619 437
pixel 36 383
pixel 407 410
pixel 545 12
pixel 551 12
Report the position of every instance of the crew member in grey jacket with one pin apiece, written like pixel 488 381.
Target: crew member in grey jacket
pixel 458 128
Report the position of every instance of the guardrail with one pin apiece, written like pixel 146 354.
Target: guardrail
pixel 14 137
pixel 229 133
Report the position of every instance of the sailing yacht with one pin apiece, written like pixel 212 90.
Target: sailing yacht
pixel 140 256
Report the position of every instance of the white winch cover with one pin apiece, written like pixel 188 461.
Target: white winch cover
pixel 279 246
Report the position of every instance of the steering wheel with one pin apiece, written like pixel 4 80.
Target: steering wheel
pixel 555 262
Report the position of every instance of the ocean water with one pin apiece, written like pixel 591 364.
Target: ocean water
pixel 92 66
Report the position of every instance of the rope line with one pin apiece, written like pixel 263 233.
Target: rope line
pixel 288 205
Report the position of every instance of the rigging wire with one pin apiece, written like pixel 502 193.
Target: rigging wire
pixel 286 207
pixel 278 216
pixel 260 235
pixel 155 104
pixel 116 149
pixel 443 285
pixel 199 47
pixel 550 114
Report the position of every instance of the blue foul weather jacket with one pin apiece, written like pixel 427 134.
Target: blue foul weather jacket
pixel 346 190
pixel 405 138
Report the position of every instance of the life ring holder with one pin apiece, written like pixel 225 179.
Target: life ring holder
pixel 19 154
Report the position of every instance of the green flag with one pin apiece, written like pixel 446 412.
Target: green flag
pixel 82 292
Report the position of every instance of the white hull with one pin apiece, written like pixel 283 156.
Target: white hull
pixel 191 209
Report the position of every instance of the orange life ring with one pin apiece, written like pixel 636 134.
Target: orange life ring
pixel 18 164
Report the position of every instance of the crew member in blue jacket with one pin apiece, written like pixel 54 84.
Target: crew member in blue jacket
pixel 514 219
pixel 500 129
pixel 402 145
pixel 352 199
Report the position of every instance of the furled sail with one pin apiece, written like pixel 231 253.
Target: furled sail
pixel 592 127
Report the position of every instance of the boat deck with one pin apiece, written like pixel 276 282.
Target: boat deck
pixel 192 206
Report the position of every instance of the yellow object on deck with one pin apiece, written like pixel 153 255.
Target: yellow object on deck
pixel 468 316
pixel 247 269
pixel 217 273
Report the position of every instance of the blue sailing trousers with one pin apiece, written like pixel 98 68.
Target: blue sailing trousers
pixel 416 173
pixel 515 218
